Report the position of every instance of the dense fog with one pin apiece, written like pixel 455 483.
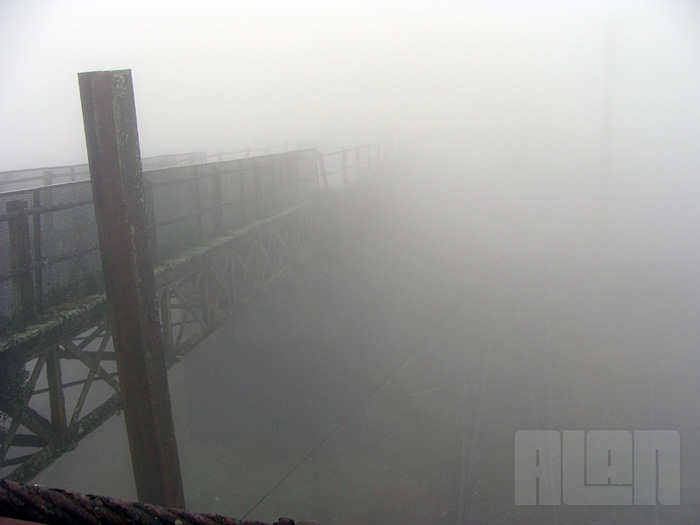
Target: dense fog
pixel 528 259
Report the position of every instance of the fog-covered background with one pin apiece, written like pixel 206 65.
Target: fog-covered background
pixel 518 84
pixel 531 263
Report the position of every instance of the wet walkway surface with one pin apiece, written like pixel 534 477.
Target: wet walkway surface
pixel 383 381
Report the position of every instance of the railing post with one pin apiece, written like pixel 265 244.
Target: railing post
pixel 322 168
pixel 219 202
pixel 109 116
pixel 38 275
pixel 47 202
pixel 258 190
pixel 151 215
pixel 273 186
pixel 241 190
pixel 21 263
pixel 197 205
pixel 47 179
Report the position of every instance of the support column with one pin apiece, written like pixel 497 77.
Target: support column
pixel 109 116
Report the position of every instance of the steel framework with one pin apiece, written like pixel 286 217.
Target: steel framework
pixel 196 292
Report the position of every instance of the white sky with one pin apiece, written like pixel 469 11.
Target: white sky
pixel 215 75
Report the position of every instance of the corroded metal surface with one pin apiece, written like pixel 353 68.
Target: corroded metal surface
pixel 109 115
pixel 45 505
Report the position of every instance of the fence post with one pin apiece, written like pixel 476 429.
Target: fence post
pixel 197 205
pixel 274 161
pixel 241 190
pixel 38 276
pixel 258 190
pixel 151 215
pixel 47 179
pixel 109 116
pixel 21 263
pixel 47 202
pixel 322 167
pixel 218 202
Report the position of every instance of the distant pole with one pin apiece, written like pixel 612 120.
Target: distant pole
pixel 109 116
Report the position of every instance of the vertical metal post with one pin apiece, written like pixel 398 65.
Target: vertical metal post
pixel 258 190
pixel 151 215
pixel 241 189
pixel 38 275
pixel 21 263
pixel 322 168
pixel 273 186
pixel 197 204
pixel 47 202
pixel 218 202
pixel 109 116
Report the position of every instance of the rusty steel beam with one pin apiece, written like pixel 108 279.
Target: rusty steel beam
pixel 111 135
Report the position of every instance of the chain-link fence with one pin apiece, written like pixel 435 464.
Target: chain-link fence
pixel 49 252
pixel 195 203
pixel 48 235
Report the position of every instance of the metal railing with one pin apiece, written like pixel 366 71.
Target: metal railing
pixel 26 179
pixel 48 234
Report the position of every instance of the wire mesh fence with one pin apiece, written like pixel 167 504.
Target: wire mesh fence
pixel 49 251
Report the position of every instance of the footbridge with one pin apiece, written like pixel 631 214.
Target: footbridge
pixel 224 231
pixel 354 336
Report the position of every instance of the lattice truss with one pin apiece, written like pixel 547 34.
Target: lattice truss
pixel 197 294
pixel 72 388
pixel 73 385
